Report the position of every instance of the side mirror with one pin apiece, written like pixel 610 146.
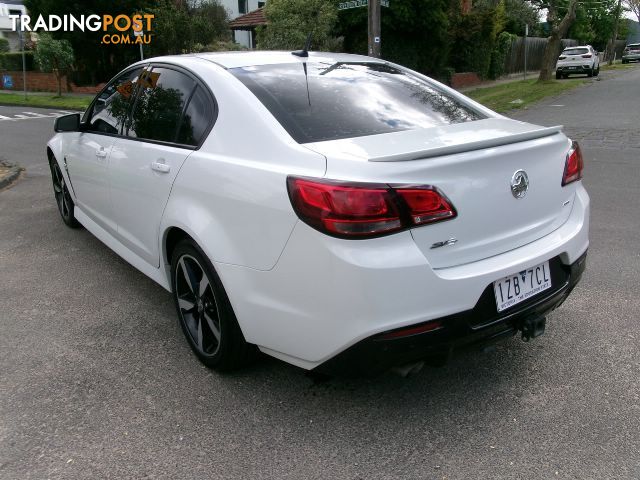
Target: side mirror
pixel 67 123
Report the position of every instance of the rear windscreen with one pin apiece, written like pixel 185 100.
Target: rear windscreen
pixel 317 101
pixel 576 51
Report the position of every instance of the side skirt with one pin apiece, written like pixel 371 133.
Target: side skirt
pixel 155 274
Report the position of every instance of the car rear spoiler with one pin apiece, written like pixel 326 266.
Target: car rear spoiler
pixel 469 146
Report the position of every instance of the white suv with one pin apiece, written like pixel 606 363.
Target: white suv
pixel 338 212
pixel 575 60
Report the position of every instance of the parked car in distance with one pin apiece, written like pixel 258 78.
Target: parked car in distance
pixel 578 60
pixel 631 53
pixel 338 212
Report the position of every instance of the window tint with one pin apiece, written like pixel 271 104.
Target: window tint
pixel 323 101
pixel 159 105
pixel 576 51
pixel 112 105
pixel 196 119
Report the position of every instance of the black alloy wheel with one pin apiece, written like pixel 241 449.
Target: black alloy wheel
pixel 63 198
pixel 204 311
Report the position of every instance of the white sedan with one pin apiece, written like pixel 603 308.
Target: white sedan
pixel 338 212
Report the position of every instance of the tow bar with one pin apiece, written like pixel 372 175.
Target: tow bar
pixel 532 327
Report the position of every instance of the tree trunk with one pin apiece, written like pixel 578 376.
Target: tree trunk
pixel 59 79
pixel 611 44
pixel 552 48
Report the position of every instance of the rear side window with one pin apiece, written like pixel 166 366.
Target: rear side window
pixel 197 118
pixel 576 51
pixel 112 104
pixel 163 94
pixel 317 101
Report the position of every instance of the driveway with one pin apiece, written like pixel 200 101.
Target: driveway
pixel 97 381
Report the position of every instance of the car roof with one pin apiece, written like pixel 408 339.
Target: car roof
pixel 254 58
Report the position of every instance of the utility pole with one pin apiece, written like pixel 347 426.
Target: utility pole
pixel 24 63
pixel 526 36
pixel 374 28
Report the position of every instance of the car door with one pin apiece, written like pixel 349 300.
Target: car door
pixel 88 151
pixel 171 114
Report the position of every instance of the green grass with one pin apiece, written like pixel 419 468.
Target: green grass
pixel 618 66
pixel 499 97
pixel 67 103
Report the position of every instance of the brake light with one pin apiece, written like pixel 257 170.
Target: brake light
pixel 586 56
pixel 574 165
pixel 365 210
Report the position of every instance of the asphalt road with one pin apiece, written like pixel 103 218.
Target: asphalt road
pixel 97 381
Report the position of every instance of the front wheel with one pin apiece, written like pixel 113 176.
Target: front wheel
pixel 66 207
pixel 204 311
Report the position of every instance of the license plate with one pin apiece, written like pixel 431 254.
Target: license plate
pixel 520 286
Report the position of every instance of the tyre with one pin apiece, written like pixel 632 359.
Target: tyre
pixel 590 72
pixel 66 207
pixel 204 311
pixel 558 75
pixel 624 61
pixel 597 72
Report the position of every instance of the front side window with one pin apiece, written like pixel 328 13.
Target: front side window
pixel 317 101
pixel 112 104
pixel 158 108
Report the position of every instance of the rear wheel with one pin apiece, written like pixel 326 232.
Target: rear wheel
pixel 66 207
pixel 558 75
pixel 204 311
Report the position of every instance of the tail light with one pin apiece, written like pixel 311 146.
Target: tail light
pixel 365 210
pixel 574 165
pixel 588 55
pixel 561 57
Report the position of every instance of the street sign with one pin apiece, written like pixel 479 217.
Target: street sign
pixel 359 3
pixel 7 81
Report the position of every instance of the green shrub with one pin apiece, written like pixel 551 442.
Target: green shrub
pixel 13 61
pixel 4 45
pixel 499 54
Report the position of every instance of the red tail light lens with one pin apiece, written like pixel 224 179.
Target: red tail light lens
pixel 365 210
pixel 426 204
pixel 574 165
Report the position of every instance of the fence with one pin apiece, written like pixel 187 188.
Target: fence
pixel 514 61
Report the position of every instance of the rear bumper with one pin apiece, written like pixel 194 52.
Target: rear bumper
pixel 326 295
pixel 567 69
pixel 631 57
pixel 476 327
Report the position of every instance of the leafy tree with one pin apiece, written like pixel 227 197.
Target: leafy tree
pixel 559 20
pixel 474 37
pixel 4 45
pixel 517 14
pixel 634 6
pixel 54 56
pixel 420 42
pixel 181 27
pixel 291 21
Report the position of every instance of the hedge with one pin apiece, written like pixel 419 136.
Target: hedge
pixel 13 61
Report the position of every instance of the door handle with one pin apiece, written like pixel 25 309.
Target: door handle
pixel 160 167
pixel 101 153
